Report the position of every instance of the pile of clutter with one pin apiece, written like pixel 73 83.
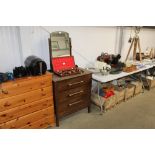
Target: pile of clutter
pixel 116 92
pixel 33 66
pixel 107 91
pixel 109 64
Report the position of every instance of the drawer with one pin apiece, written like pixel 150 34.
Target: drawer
pixel 11 102
pixel 73 106
pixel 19 111
pixel 73 82
pixel 28 119
pixel 23 85
pixel 42 123
pixel 70 94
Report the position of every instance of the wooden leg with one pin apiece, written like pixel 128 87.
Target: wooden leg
pixel 140 55
pixel 135 49
pixel 89 107
pixel 129 49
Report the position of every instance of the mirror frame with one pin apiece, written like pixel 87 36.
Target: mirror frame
pixel 50 49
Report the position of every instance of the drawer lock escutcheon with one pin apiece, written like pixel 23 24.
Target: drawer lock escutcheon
pixel 76 93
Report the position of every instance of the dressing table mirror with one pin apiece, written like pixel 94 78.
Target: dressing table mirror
pixel 60 44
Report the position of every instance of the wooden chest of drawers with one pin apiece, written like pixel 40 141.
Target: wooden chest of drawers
pixel 71 93
pixel 27 103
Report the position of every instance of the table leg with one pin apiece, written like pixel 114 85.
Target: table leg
pixel 99 98
pixel 140 78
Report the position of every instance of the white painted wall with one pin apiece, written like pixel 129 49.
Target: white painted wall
pixel 147 39
pixel 87 43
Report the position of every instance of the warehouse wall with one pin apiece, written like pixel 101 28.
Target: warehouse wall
pixel 9 48
pixel 147 39
pixel 16 43
pixel 87 42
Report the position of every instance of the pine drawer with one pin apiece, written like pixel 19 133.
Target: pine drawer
pixel 28 119
pixel 40 124
pixel 19 111
pixel 25 98
pixel 24 85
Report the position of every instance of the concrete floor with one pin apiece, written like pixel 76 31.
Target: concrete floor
pixel 136 113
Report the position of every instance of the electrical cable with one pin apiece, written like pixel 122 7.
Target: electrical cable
pixel 45 29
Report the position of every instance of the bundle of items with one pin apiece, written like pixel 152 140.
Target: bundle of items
pixel 21 71
pixel 113 61
pixel 149 78
pixel 148 54
pixel 107 91
pixel 106 95
pixel 129 67
pixel 33 66
pixel 6 77
pixel 103 67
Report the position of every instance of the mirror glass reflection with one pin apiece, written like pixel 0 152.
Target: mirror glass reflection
pixel 60 44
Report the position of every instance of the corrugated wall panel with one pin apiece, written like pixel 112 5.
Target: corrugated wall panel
pixel 35 42
pixel 9 48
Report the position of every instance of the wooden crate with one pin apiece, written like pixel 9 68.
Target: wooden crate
pixel 148 82
pixel 151 83
pixel 107 103
pixel 138 87
pixel 129 91
pixel 110 102
pixel 120 94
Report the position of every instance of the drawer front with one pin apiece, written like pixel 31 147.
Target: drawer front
pixel 19 111
pixel 11 102
pixel 19 86
pixel 42 123
pixel 73 106
pixel 73 82
pixel 64 97
pixel 28 119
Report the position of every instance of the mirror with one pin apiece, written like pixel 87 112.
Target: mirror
pixel 60 44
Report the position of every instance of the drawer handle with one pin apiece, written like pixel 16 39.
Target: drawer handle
pixel 71 104
pixel 4 91
pixel 75 93
pixel 71 84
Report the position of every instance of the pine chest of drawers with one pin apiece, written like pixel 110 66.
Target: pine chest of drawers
pixel 71 93
pixel 27 103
